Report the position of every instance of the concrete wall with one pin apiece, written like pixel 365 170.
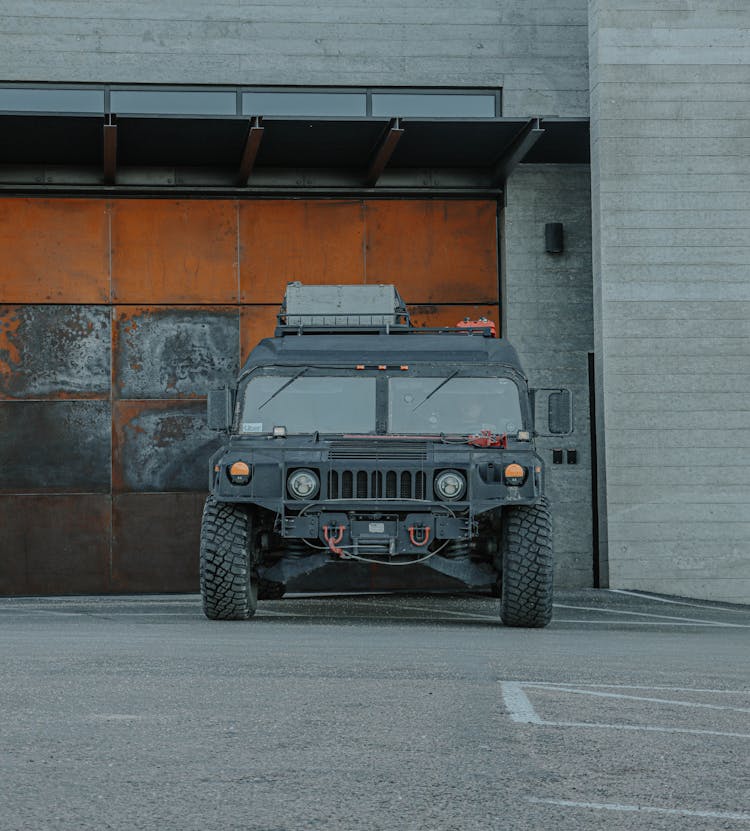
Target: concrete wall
pixel 547 315
pixel 535 50
pixel 670 107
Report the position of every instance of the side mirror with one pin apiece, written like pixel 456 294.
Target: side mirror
pixel 220 408
pixel 553 412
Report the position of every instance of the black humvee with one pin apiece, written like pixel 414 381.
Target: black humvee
pixel 357 438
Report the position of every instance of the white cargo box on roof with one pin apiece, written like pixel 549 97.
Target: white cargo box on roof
pixel 345 306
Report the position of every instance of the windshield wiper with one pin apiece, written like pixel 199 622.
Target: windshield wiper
pixel 283 387
pixel 438 387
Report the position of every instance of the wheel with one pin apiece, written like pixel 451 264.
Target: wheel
pixel 526 590
pixel 270 590
pixel 228 586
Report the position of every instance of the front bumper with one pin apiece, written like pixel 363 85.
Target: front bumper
pixel 377 532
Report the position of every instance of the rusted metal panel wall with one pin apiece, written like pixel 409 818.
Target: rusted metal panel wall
pixel 281 240
pixel 54 351
pixel 435 252
pixel 172 252
pixel 56 544
pixel 54 251
pixel 55 446
pixel 116 316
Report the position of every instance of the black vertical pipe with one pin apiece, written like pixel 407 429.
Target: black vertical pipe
pixel 594 472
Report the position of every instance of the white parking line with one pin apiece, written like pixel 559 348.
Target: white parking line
pixel 637 623
pixel 521 710
pixel 14 604
pixel 434 611
pixel 117 614
pixel 600 694
pixel 467 617
pixel 650 614
pixel 647 728
pixel 664 620
pixel 517 704
pixel 632 687
pixel 645 809
pixel 677 602
pixel 46 612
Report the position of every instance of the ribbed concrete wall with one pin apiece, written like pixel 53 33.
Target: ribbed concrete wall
pixel 670 107
pixel 535 50
pixel 547 315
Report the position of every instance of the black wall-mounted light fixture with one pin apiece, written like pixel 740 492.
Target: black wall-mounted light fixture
pixel 553 238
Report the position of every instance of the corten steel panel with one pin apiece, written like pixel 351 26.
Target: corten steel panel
pixel 54 251
pixel 315 241
pixel 54 351
pixel 431 315
pixel 434 251
pixel 161 446
pixel 179 352
pixel 55 446
pixel 167 251
pixel 54 544
pixel 155 541
pixel 256 323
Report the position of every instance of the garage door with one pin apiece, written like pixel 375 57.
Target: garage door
pixel 116 316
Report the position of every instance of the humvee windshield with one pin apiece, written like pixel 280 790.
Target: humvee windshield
pixel 346 404
pixel 328 404
pixel 453 404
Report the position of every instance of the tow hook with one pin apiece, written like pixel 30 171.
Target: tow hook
pixel 333 538
pixel 419 535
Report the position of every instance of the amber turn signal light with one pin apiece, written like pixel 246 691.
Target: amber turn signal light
pixel 514 475
pixel 239 473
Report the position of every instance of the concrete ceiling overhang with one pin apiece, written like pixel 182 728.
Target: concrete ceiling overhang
pixel 216 153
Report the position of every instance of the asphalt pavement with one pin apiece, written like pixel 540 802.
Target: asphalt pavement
pixel 374 712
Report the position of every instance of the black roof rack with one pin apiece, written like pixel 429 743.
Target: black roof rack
pixel 332 310
pixel 365 326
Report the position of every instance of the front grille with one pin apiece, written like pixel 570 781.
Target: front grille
pixel 377 484
pixel 378 449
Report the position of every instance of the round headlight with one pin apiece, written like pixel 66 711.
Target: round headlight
pixel 303 484
pixel 450 484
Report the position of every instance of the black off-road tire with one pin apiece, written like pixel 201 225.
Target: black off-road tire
pixel 526 593
pixel 270 590
pixel 228 586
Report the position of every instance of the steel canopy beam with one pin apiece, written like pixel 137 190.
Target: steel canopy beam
pixel 109 162
pixel 353 190
pixel 517 149
pixel 250 153
pixel 383 154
